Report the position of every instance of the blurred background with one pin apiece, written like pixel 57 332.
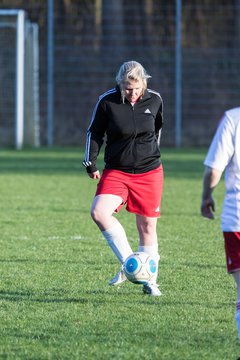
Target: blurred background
pixel 58 56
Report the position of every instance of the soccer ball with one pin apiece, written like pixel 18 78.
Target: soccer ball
pixel 139 268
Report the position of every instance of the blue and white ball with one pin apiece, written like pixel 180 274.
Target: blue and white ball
pixel 140 268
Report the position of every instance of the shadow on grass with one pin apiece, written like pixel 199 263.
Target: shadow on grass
pixel 41 166
pixel 36 261
pixel 190 265
pixel 15 296
pixel 124 298
pixel 183 163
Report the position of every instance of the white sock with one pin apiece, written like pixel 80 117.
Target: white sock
pixel 117 240
pixel 153 251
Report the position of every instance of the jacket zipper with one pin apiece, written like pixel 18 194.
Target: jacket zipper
pixel 134 137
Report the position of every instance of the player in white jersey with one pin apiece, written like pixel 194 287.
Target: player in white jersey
pixel 224 156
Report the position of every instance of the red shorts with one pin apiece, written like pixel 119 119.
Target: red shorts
pixel 232 250
pixel 142 193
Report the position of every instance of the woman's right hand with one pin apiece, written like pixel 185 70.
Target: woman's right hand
pixel 95 175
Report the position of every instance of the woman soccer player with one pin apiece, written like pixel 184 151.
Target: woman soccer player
pixel 131 118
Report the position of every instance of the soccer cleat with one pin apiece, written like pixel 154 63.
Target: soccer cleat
pixel 118 279
pixel 151 289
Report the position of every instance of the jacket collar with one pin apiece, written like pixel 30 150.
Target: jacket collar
pixel 146 94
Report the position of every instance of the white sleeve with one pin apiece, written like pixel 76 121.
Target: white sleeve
pixel 222 147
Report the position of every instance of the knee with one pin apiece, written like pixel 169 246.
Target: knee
pixel 99 215
pixel 95 214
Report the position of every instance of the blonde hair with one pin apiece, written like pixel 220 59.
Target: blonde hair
pixel 131 70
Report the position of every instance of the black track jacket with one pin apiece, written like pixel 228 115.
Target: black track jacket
pixel 132 132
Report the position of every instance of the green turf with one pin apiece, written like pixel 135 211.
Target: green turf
pixel 55 302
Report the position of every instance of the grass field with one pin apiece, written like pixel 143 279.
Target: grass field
pixel 55 302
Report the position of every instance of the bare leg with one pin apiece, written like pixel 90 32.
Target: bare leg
pixel 236 276
pixel 147 230
pixel 102 211
pixel 148 238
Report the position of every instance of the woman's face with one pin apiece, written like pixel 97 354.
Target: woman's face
pixel 133 89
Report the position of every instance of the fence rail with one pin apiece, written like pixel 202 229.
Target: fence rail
pixel 191 50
